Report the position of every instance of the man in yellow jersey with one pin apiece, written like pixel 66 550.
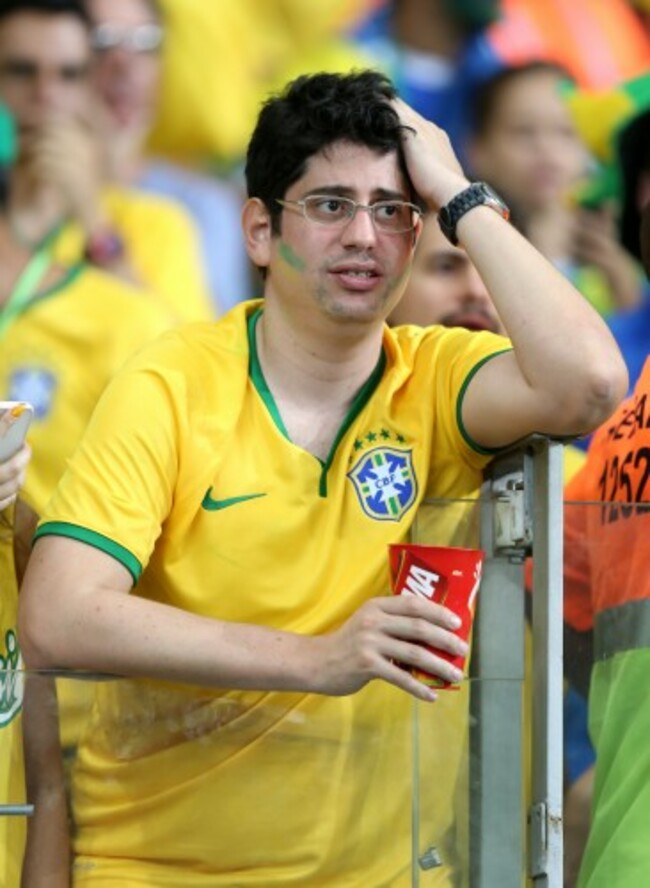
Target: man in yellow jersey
pixel 59 351
pixel 64 331
pixel 62 338
pixel 242 480
pixel 27 729
pixel 59 194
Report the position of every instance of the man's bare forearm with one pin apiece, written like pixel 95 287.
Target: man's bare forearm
pixel 73 592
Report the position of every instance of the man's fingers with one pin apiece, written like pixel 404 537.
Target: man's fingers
pixel 402 679
pixel 417 656
pixel 423 633
pixel 419 608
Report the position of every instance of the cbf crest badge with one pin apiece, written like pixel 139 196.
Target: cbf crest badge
pixel 35 385
pixel 385 482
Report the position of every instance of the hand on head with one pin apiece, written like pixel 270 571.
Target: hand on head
pixel 433 167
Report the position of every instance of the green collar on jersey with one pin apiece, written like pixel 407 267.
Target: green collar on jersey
pixel 362 397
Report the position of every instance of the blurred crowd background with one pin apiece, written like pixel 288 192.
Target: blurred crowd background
pixel 219 60
pixel 138 191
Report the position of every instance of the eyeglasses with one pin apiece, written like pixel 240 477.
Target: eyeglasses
pixel 143 38
pixel 390 216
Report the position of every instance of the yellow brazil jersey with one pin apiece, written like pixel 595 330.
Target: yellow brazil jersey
pixel 162 245
pixel 188 477
pixel 59 354
pixel 12 771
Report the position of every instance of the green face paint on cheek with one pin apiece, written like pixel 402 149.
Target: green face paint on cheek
pixel 290 257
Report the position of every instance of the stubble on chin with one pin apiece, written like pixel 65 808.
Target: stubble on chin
pixel 359 306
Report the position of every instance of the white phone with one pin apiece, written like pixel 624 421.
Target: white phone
pixel 15 418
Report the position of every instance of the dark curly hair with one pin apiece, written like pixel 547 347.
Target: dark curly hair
pixel 633 155
pixel 312 112
pixel 46 7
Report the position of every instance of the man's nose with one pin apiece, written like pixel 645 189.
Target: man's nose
pixel 45 90
pixel 360 230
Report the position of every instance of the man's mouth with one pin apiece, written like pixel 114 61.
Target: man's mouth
pixel 356 278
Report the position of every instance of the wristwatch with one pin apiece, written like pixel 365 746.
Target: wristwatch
pixel 104 248
pixel 478 194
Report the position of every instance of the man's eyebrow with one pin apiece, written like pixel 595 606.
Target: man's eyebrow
pixel 16 63
pixel 347 191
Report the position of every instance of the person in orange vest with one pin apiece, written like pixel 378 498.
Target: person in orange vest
pixel 607 611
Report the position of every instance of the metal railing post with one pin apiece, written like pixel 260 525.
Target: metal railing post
pixel 496 734
pixel 545 817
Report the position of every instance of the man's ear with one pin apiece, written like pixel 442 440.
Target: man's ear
pixel 256 226
pixel 417 231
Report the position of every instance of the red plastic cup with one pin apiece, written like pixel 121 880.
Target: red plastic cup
pixel 445 574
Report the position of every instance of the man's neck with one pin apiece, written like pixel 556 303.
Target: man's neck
pixel 314 376
pixel 329 363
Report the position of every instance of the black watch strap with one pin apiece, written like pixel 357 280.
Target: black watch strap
pixel 476 195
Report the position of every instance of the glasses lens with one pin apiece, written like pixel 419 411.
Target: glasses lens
pixel 106 37
pixel 328 209
pixel 144 38
pixel 394 215
pixel 389 215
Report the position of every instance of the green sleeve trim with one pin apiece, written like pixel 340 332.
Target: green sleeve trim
pixel 485 451
pixel 97 540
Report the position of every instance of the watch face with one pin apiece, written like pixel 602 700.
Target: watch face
pixel 476 195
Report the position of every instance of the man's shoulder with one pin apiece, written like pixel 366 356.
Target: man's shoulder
pixel 211 349
pixel 426 344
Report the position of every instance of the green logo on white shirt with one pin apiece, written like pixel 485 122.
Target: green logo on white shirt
pixel 12 679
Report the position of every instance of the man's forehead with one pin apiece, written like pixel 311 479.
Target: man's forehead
pixel 43 34
pixel 353 165
pixel 126 12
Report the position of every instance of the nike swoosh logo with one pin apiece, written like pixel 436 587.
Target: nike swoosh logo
pixel 213 505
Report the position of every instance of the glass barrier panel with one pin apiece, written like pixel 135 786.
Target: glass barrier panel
pixel 179 786
pixel 167 782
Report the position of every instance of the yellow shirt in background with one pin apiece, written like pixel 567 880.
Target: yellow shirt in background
pixel 12 768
